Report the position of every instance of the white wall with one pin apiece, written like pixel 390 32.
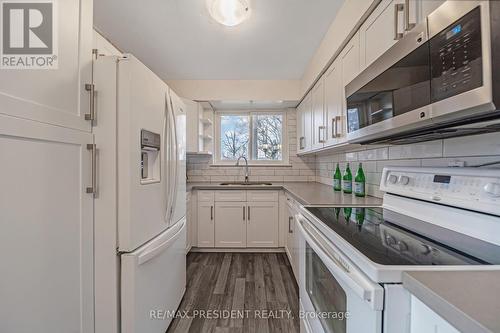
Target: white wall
pixel 302 169
pixel 472 150
pixel 237 90
pixel 348 19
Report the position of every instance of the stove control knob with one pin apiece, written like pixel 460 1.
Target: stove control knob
pixel 404 180
pixel 403 247
pixel 492 189
pixel 393 179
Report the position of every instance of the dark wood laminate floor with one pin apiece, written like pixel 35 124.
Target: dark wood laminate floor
pixel 259 288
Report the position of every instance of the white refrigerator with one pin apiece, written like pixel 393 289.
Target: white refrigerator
pixel 151 190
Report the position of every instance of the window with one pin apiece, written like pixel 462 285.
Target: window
pixel 258 136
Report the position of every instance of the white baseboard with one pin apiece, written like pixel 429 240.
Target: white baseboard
pixel 239 250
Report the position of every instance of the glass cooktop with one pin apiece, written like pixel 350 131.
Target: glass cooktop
pixel 383 242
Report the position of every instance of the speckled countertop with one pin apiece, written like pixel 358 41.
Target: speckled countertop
pixel 468 300
pixel 306 193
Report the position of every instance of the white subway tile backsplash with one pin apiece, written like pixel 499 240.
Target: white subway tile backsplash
pixel 419 150
pixel 374 154
pixel 487 144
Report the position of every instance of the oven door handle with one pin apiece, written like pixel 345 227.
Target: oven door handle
pixel 355 280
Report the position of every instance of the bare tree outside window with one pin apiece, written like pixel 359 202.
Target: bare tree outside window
pixel 258 136
pixel 234 137
pixel 268 137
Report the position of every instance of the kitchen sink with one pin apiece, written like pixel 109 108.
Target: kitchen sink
pixel 246 183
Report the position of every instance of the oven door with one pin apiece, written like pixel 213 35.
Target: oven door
pixel 335 296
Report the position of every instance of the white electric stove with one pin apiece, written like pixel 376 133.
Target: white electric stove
pixel 352 258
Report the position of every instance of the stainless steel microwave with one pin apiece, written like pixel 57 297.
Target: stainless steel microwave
pixel 441 80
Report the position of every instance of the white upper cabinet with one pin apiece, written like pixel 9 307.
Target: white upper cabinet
pixel 333 103
pixel 349 60
pixel 381 30
pixel 318 116
pixel 56 96
pixel 389 22
pixel 304 125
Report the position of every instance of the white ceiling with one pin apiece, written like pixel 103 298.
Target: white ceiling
pixel 177 39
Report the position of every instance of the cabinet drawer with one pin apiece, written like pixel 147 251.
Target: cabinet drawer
pixel 206 196
pixel 230 195
pixel 259 195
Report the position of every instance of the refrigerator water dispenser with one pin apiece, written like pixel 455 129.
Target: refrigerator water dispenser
pixel 150 157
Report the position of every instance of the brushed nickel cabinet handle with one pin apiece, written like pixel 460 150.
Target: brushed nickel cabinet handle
pixel 92 189
pixel 248 215
pixel 211 212
pixel 290 218
pixel 243 213
pixel 91 89
pixel 334 128
pixel 397 8
pixel 338 119
pixel 408 25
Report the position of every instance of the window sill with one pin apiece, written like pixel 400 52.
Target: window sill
pixel 286 165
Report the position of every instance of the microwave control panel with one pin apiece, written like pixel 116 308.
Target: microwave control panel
pixel 456 57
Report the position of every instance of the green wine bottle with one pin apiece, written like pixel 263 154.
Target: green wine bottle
pixel 359 182
pixel 347 180
pixel 337 179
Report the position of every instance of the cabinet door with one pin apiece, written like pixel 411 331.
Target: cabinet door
pixel 206 225
pixel 307 122
pixel 318 108
pixel 378 33
pixel 333 103
pixel 56 96
pixel 290 236
pixel 262 224
pixel 230 228
pixel 350 67
pixel 300 128
pixel 424 319
pixel 46 229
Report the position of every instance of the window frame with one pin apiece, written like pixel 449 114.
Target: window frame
pixel 284 138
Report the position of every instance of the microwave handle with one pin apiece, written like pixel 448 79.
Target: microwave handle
pixel 361 285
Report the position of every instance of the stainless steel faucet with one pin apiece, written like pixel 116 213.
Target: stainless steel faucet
pixel 246 166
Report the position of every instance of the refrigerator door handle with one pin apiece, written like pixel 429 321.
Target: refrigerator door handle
pixel 168 147
pixel 150 254
pixel 175 160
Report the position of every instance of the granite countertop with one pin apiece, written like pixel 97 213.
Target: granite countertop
pixel 468 300
pixel 306 193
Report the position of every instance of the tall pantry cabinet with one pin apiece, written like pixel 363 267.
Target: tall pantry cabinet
pixel 46 204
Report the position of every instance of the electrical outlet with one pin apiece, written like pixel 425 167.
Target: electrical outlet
pixel 456 164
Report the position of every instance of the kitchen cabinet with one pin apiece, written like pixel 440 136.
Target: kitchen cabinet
pixel 292 240
pixel 206 219
pixel 238 218
pixel 262 224
pixel 333 103
pixel 424 319
pixel 318 115
pixel 387 24
pixel 304 125
pixel 199 130
pixel 230 224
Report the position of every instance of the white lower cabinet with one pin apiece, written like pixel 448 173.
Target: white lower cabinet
pixel 262 224
pixel 230 224
pixel 292 240
pixel 206 219
pixel 423 319
pixel 238 219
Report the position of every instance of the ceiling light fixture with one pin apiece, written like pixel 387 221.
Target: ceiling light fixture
pixel 229 12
